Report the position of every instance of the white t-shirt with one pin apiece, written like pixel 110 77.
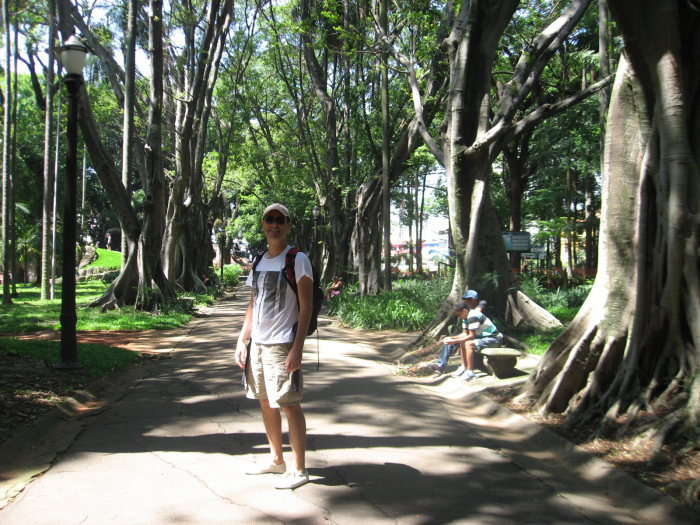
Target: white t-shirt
pixel 275 307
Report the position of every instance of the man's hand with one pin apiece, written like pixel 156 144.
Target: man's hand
pixel 293 362
pixel 241 354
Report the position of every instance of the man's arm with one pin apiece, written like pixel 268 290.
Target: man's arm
pixel 241 350
pixel 305 291
pixel 466 335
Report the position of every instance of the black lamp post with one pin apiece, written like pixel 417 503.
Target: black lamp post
pixel 73 55
pixel 316 212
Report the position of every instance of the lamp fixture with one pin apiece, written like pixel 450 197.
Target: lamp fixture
pixel 73 55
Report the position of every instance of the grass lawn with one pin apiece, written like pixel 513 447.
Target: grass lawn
pixel 107 259
pixel 29 313
pixel 29 384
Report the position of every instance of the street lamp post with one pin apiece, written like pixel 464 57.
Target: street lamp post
pixel 316 212
pixel 73 55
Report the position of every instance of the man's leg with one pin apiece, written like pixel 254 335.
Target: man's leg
pixel 469 349
pixel 445 353
pixel 297 435
pixel 273 429
pixel 463 355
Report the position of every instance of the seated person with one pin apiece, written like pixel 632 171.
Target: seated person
pixel 477 332
pixel 334 288
pixel 449 349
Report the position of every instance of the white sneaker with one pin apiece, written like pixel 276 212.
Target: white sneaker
pixel 467 376
pixel 458 372
pixel 292 479
pixel 272 468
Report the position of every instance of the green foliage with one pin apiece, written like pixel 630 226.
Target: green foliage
pixel 97 360
pixel 232 274
pixel 563 304
pixel 487 284
pixel 411 305
pixel 538 342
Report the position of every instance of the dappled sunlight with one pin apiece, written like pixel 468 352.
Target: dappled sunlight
pixel 381 448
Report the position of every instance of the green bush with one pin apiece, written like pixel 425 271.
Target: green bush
pixel 411 305
pixel 232 274
pixel 563 304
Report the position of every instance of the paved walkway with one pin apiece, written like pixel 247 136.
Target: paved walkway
pixel 170 445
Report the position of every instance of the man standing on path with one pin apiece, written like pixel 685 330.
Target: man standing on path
pixel 277 322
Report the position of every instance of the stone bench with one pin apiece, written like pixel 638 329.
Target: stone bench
pixel 501 362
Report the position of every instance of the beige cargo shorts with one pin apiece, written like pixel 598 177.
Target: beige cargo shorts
pixel 266 377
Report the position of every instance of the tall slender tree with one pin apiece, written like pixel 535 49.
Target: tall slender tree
pixel 386 150
pixel 47 210
pixel 129 108
pixel 6 142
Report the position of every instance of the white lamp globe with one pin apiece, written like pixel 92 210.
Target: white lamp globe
pixel 73 55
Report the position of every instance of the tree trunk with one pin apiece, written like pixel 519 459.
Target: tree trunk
pixel 332 201
pixel 633 349
pixel 570 224
pixel 151 275
pixel 386 149
pixel 48 155
pixel 13 154
pixel 604 40
pixel 418 206
pixel 479 248
pixel 187 250
pixel 474 138
pixel 6 299
pixel 516 154
pixel 129 110
pixel 365 237
pixel 142 270
pixel 590 230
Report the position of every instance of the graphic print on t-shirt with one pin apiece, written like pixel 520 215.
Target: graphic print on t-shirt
pixel 271 295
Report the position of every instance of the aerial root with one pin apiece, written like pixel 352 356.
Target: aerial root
pixel 691 495
pixel 109 305
pixel 662 435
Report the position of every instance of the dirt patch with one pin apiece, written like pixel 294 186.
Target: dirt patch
pixel 30 388
pixel 120 338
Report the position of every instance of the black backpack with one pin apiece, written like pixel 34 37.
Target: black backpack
pixel 290 276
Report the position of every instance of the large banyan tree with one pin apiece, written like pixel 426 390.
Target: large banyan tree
pixel 476 131
pixel 631 355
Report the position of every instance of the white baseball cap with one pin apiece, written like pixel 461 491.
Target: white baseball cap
pixel 277 206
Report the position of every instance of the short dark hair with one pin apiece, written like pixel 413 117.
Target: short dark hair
pixel 461 305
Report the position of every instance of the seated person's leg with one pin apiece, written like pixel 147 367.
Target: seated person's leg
pixel 463 354
pixel 487 342
pixel 445 353
pixel 469 349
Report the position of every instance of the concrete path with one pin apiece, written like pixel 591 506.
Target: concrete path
pixel 170 445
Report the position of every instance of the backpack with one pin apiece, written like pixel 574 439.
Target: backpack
pixel 289 275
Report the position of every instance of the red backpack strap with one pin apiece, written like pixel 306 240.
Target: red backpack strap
pixel 289 261
pixel 257 260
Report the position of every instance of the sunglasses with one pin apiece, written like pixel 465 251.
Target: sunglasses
pixel 279 220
